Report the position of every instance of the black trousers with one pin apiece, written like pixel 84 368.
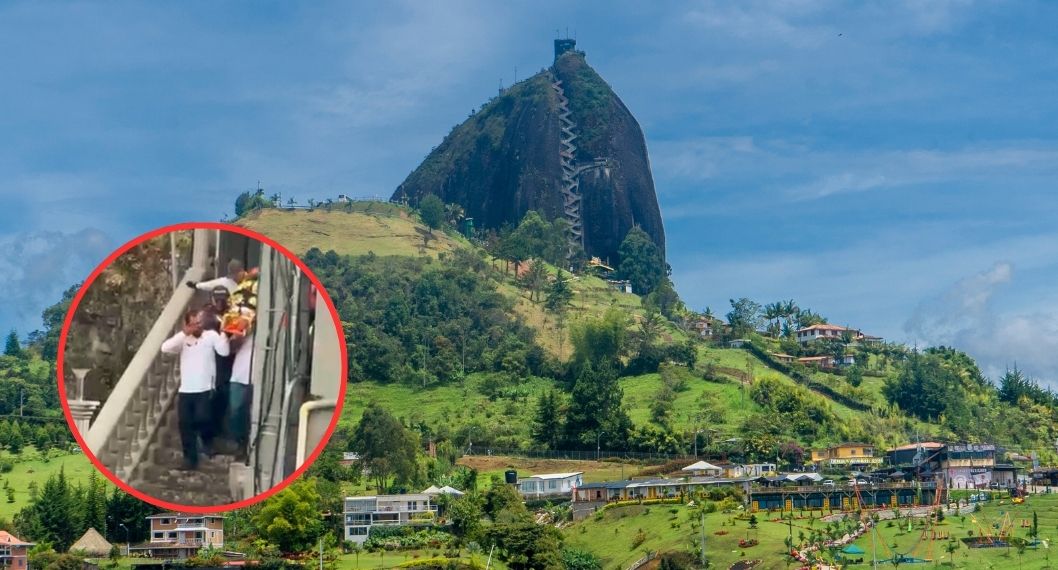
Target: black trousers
pixel 219 405
pixel 193 414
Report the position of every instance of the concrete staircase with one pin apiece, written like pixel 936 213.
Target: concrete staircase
pixel 571 171
pixel 159 474
pixel 570 183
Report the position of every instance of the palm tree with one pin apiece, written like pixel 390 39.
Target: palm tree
pixel 454 213
pixel 290 202
pixel 772 313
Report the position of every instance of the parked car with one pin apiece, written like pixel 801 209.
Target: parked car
pixel 828 483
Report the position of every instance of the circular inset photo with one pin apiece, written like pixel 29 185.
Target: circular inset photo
pixel 201 367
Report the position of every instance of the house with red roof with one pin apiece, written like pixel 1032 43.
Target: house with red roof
pixel 14 552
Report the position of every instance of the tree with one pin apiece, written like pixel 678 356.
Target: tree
pixel 15 440
pixel 547 424
pixel 535 279
pixel 745 317
pixel 665 299
pixel 57 512
pixel 387 449
pixel 48 339
pixel 11 346
pixel 503 503
pixel 432 211
pixel 527 545
pixel 291 519
pixel 126 512
pixel 595 414
pixel 642 262
pixel 328 466
pixel 250 201
pixel 535 237
pixel 927 389
pixel 465 515
pixel 855 376
pixel 599 341
pixel 95 504
pixel 559 295
pixel 792 453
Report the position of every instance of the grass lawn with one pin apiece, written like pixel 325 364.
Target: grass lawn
pixel 668 528
pixel 897 538
pixel 612 534
pixel 395 559
pixel 29 466
pixel 640 391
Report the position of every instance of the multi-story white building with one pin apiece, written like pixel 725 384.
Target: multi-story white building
pixel 362 513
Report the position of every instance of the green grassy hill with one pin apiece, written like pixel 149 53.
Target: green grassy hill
pixel 718 399
pixel 30 467
pixel 390 230
pixel 349 229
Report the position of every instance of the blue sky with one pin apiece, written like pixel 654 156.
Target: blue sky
pixel 888 164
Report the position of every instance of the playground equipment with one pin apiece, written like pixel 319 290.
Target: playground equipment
pixel 926 538
pixel 995 534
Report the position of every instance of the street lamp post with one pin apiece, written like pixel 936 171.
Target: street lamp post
pixel 128 544
pixel 598 446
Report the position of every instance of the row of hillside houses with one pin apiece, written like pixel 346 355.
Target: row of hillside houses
pixel 709 326
pixel 827 331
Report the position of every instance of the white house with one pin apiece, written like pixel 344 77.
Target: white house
pixel 758 469
pixel 549 484
pixel 823 331
pixel 363 513
pixel 703 469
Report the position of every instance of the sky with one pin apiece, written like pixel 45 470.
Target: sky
pixel 890 165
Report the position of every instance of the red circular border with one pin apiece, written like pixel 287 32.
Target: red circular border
pixel 62 385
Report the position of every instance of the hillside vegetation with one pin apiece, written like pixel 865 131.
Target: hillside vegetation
pixel 353 228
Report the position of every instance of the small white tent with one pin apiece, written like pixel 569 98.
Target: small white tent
pixel 703 468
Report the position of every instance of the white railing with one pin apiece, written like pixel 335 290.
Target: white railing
pixel 132 412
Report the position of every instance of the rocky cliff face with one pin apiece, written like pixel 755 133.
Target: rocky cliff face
pixel 118 310
pixel 505 159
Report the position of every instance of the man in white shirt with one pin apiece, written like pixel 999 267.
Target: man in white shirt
pixel 229 281
pixel 198 368
pixel 240 392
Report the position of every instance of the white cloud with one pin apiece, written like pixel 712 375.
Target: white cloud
pixel 965 316
pixel 36 267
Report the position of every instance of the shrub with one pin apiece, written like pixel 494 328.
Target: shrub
pixel 639 538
